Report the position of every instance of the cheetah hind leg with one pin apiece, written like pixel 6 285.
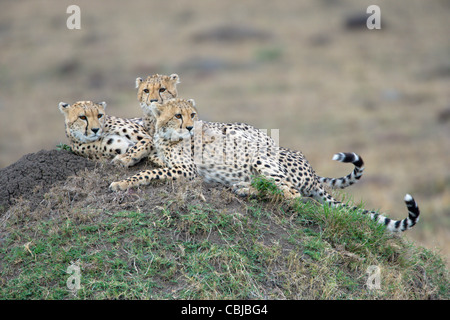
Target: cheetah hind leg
pixel 245 189
pixel 116 145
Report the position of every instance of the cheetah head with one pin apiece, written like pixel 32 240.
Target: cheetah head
pixel 157 88
pixel 84 120
pixel 175 118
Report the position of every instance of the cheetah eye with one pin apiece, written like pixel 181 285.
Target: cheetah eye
pixel 100 115
pixel 83 117
pixel 193 114
pixel 178 116
pixel 146 90
pixel 162 89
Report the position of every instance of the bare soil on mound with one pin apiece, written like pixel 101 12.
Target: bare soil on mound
pixel 35 173
pixel 59 182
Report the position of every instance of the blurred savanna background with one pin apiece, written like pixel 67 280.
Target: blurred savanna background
pixel 311 69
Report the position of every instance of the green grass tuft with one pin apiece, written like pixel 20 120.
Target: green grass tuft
pixel 63 146
pixel 266 186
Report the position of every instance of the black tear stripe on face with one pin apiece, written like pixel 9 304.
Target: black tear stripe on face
pixel 87 126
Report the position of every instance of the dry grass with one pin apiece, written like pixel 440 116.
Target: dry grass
pixel 328 89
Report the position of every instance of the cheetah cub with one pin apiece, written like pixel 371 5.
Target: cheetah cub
pixel 156 88
pixel 95 135
pixel 232 155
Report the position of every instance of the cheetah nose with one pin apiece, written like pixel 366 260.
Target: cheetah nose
pixel 153 100
pixel 95 130
pixel 190 128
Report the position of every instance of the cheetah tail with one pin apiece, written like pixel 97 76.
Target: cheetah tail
pixel 391 225
pixel 343 182
pixel 399 225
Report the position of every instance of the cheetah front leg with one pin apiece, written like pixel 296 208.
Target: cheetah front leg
pixel 147 176
pixel 136 153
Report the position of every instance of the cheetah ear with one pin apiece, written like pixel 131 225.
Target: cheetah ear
pixel 63 107
pixel 192 101
pixel 175 77
pixel 103 104
pixel 138 82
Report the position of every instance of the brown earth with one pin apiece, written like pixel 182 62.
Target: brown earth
pixel 54 181
pixel 34 174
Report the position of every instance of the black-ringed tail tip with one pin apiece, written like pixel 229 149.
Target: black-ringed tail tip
pixel 413 209
pixel 352 178
pixel 405 224
pixel 347 157
pixel 391 225
pixel 410 221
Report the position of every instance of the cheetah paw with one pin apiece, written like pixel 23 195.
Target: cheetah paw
pixel 119 185
pixel 245 191
pixel 120 160
pixel 124 160
pixel 242 192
